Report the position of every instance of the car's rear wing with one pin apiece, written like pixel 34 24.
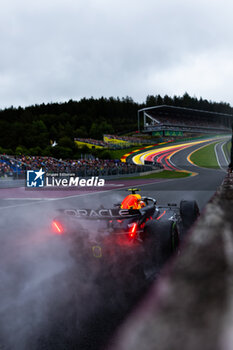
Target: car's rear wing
pixel 106 214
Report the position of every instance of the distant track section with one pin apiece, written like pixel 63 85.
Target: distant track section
pixel 163 155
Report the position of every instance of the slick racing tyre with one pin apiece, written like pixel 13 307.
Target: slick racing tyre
pixel 189 213
pixel 161 240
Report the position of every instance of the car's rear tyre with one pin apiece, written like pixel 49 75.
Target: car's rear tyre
pixel 189 213
pixel 161 240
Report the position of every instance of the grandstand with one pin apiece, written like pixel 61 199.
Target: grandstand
pixel 90 143
pixel 169 120
pixel 111 142
pixel 125 140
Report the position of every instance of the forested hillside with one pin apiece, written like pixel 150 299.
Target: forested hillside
pixel 33 128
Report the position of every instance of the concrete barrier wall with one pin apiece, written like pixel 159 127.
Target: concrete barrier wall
pixel 4 183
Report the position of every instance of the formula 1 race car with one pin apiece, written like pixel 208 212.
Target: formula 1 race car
pixel 136 232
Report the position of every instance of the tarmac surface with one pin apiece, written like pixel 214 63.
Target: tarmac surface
pixel 47 299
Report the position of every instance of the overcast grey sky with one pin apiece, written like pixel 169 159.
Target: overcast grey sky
pixel 56 50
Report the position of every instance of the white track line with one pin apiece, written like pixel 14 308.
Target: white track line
pixel 55 199
pixel 90 194
pixel 142 159
pixel 27 199
pixel 227 160
pixel 170 160
pixel 216 154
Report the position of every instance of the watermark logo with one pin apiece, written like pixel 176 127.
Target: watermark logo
pixel 38 179
pixel 35 178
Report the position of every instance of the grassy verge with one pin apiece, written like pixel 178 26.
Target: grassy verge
pixel 227 149
pixel 165 174
pixel 205 157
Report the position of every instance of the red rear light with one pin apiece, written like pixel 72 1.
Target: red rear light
pixel 133 230
pixel 57 227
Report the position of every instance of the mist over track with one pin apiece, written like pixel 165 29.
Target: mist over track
pixel 47 299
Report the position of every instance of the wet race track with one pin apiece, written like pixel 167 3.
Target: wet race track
pixel 51 295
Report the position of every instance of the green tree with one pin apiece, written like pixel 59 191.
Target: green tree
pixel 36 134
pixel 21 150
pixel 53 133
pixel 66 141
pixel 151 101
pixel 81 132
pixel 35 151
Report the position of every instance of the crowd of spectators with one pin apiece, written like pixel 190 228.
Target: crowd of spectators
pixel 120 142
pixel 186 122
pixel 129 139
pixel 117 142
pixel 92 142
pixel 5 167
pixel 82 167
